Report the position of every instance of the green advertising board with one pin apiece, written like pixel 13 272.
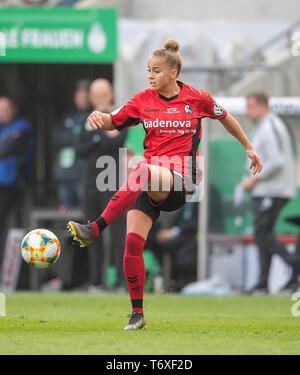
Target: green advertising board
pixel 58 35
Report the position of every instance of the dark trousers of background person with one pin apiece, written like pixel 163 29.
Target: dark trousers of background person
pixel 183 250
pixel 266 211
pixel 69 194
pixel 9 195
pixel 73 267
pixel 94 203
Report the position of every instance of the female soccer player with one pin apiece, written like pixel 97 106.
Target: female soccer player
pixel 171 113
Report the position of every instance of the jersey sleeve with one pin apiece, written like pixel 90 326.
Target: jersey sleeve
pixel 127 115
pixel 210 108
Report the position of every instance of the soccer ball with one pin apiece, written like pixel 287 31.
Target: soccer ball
pixel 40 248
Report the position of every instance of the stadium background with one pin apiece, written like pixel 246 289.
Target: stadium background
pixel 227 53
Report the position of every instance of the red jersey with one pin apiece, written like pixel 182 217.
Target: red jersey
pixel 172 126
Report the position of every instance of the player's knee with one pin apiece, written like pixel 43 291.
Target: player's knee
pixel 145 171
pixel 161 179
pixel 139 177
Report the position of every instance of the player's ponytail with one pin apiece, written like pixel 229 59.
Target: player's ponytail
pixel 170 53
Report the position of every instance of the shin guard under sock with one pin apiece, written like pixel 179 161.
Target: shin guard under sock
pixel 134 269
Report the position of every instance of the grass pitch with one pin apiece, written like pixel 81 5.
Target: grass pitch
pixel 71 323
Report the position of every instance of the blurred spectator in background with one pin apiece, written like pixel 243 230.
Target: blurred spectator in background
pixel 68 166
pixel 181 238
pixel 69 181
pixel 16 155
pixel 92 144
pixel 181 241
pixel 272 188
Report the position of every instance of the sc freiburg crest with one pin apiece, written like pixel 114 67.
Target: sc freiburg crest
pixel 218 110
pixel 188 109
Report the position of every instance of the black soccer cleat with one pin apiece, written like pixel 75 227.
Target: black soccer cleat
pixel 82 233
pixel 136 321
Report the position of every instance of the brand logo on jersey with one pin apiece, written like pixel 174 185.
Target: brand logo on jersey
pixel 166 124
pixel 172 110
pixel 188 109
pixel 151 110
pixel 218 110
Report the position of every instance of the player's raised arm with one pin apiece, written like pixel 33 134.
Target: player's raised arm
pixel 234 128
pixel 99 120
pixel 209 108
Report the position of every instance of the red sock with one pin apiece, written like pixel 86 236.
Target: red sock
pixel 124 197
pixel 96 230
pixel 134 269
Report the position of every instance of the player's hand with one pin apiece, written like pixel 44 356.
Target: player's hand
pixel 256 163
pixel 95 120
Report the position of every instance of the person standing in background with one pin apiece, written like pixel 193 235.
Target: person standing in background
pixel 68 166
pixel 272 188
pixel 16 155
pixel 68 177
pixel 181 239
pixel 90 146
